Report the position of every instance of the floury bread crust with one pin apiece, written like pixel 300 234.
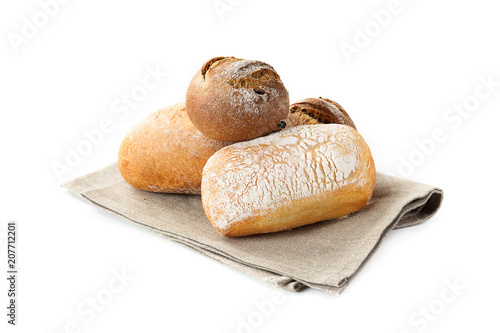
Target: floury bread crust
pixel 166 153
pixel 232 99
pixel 295 177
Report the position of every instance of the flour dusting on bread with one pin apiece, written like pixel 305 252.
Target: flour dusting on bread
pixel 256 177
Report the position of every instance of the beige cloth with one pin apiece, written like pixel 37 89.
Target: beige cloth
pixel 323 255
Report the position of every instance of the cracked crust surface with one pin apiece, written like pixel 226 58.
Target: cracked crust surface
pixel 298 176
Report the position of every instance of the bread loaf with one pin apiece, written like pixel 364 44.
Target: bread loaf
pixel 318 111
pixel 287 179
pixel 166 153
pixel 232 99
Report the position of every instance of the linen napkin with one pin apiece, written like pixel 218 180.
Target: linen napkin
pixel 323 255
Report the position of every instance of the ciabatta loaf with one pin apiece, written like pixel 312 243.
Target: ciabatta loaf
pixel 298 176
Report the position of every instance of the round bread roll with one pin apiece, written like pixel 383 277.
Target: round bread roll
pixel 166 153
pixel 295 177
pixel 318 111
pixel 232 99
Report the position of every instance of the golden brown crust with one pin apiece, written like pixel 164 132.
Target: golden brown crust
pixel 231 99
pixel 166 153
pixel 318 111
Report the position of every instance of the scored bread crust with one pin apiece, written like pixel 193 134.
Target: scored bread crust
pixel 233 99
pixel 287 179
pixel 318 111
pixel 166 153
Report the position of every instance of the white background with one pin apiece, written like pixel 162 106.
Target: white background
pixel 65 78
